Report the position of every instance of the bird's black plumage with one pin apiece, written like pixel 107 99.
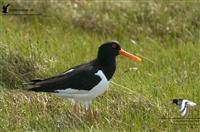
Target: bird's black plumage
pixel 177 101
pixel 82 77
pixel 5 8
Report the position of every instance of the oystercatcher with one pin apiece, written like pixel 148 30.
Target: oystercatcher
pixel 84 82
pixel 182 103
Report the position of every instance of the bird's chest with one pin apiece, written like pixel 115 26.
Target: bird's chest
pixel 101 87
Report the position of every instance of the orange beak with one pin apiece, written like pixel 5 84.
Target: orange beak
pixel 129 55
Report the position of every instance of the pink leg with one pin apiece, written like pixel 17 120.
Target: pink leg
pixel 88 107
pixel 75 107
pixel 89 110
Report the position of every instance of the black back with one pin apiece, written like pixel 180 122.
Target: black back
pixel 82 78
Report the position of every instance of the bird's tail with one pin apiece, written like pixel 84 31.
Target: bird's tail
pixel 38 86
pixel 33 85
pixel 32 82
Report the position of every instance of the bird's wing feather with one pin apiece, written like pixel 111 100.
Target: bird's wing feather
pixel 190 103
pixel 80 78
pixel 183 112
pixel 183 105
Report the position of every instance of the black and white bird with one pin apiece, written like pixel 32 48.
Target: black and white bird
pixel 182 103
pixel 84 82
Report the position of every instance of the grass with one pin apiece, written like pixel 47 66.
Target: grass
pixel 164 34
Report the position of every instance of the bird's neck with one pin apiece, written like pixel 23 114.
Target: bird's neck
pixel 108 66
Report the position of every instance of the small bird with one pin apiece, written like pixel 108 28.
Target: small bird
pixel 5 8
pixel 182 103
pixel 85 82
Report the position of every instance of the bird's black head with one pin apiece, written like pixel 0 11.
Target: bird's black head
pixel 109 50
pixel 175 101
pixel 107 54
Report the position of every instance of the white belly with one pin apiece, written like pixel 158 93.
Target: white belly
pixel 85 95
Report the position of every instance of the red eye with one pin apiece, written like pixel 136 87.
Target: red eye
pixel 114 46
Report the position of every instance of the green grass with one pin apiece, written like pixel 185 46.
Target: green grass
pixel 164 34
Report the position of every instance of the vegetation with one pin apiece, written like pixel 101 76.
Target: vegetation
pixel 66 33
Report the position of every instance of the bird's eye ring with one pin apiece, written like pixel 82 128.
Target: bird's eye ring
pixel 114 46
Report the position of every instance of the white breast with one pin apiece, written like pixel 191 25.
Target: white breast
pixel 101 87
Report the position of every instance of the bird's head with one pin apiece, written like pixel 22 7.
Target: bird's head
pixel 112 49
pixel 175 101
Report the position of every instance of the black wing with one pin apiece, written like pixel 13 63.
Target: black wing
pixel 82 78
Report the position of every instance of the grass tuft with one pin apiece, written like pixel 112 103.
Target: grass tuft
pixel 15 68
